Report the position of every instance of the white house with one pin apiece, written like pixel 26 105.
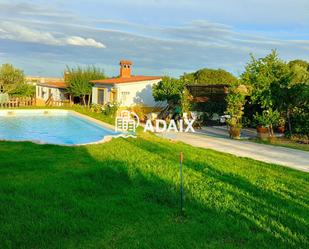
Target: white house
pixel 54 90
pixel 127 89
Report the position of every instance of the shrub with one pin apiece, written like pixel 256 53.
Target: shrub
pixel 304 139
pixel 236 99
pixel 300 120
pixel 110 109
pixel 268 118
pixel 97 108
pixel 140 111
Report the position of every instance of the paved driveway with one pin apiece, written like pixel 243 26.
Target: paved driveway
pixel 222 131
pixel 292 158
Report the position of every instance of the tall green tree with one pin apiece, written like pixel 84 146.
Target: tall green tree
pixel 169 89
pixel 300 71
pixel 268 78
pixel 209 77
pixel 78 80
pixel 297 102
pixel 277 85
pixel 24 90
pixel 11 78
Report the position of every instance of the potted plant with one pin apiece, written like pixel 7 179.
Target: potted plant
pixel 262 125
pixel 235 99
pixel 281 125
pixel 265 123
pixel 234 130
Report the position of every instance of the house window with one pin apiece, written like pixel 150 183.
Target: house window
pixel 101 96
pixel 124 96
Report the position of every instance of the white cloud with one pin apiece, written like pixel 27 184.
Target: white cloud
pixel 80 41
pixel 17 32
pixel 154 41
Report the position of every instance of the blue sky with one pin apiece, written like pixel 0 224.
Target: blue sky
pixel 161 37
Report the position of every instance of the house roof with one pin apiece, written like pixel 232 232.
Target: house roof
pixel 55 84
pixel 126 80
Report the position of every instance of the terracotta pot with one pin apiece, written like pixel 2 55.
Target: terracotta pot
pixel 262 129
pixel 281 129
pixel 262 132
pixel 234 132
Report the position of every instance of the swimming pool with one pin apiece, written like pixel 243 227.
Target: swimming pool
pixel 51 126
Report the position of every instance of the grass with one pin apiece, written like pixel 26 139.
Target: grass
pixel 285 142
pixel 125 194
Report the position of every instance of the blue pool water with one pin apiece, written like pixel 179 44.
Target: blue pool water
pixel 63 128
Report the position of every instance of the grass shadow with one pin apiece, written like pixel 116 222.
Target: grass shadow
pixel 103 196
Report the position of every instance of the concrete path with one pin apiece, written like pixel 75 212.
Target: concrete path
pixel 222 131
pixel 292 158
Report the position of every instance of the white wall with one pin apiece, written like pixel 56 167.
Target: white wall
pixel 95 88
pixel 129 93
pixel 42 92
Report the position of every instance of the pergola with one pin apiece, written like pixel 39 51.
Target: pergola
pixel 201 93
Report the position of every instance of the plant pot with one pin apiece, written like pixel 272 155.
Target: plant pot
pixel 281 129
pixel 234 132
pixel 262 132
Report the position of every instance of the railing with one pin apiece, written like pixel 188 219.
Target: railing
pixel 18 102
pixel 49 101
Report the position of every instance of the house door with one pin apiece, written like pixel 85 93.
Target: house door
pixel 113 95
pixel 101 96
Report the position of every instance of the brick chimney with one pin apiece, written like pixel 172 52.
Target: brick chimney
pixel 125 68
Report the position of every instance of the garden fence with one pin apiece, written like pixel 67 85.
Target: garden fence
pixel 17 102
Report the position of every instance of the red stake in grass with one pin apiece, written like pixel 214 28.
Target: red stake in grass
pixel 181 185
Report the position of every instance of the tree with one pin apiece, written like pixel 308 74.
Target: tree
pixel 169 89
pixel 277 85
pixel 10 78
pixel 78 81
pixel 297 104
pixel 24 90
pixel 300 71
pixel 267 77
pixel 209 77
pixel 300 63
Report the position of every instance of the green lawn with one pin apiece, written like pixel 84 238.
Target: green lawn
pixel 124 194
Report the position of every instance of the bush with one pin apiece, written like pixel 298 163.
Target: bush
pixel 97 108
pixel 110 109
pixel 236 99
pixel 140 111
pixel 303 139
pixel 268 118
pixel 300 121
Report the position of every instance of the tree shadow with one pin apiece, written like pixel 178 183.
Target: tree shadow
pixel 279 212
pixel 68 198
